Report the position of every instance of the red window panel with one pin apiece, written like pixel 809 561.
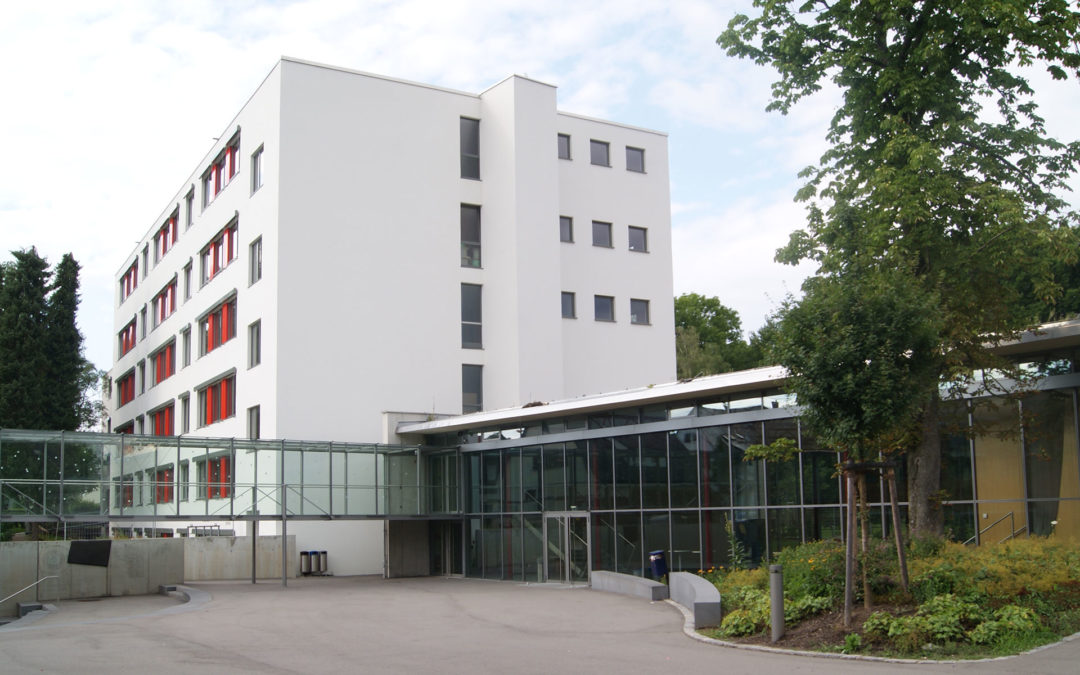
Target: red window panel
pixel 163 486
pixel 165 303
pixel 129 281
pixel 219 478
pixel 129 494
pixel 164 363
pixel 166 237
pixel 218 327
pixel 126 387
pixel 127 338
pixel 219 253
pixel 219 400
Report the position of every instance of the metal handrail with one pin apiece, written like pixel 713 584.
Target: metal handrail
pixel 51 576
pixel 1012 529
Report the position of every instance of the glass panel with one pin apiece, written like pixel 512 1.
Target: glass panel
pixel 603 480
pixel 822 523
pixel 600 421
pixel 821 485
pixel 577 476
pixel 955 451
pixel 653 413
pixel 512 480
pixel 513 534
pixel 603 541
pixel 473 562
pixel 578 533
pixel 627 476
pixel 782 477
pixel 556 553
pixel 654 473
pixel 682 450
pixel 748 477
pixel 624 417
pixel 785 529
pixel 316 487
pixel 491 484
pixel 628 553
pixel 998 456
pixel 750 531
pixel 959 521
pixel 715 545
pixel 531 471
pixel 685 542
pixel 657 535
pixel 1050 461
pixel 473 480
pixel 533 547
pixel 493 548
pixel 554 480
pixel 715 473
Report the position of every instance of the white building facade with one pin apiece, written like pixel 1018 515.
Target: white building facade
pixel 355 245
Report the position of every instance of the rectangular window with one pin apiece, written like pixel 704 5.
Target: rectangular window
pixel 604 307
pixel 255 261
pixel 471 316
pixel 566 229
pixel 128 428
pixel 125 389
pixel 255 344
pixel 185 423
pixel 601 234
pixel 599 153
pixel 164 303
pixel 564 146
pixel 187 281
pixel 215 477
pixel 129 281
pixel 145 260
pixel 256 170
pixel 639 311
pixel 217 255
pixel 639 239
pixel 142 378
pixel 470 148
pixel 217 401
pixel 253 423
pixel 635 159
pixel 569 311
pixel 163 361
pixel 189 208
pixel 185 350
pixel 470 235
pixel 127 338
pixel 142 323
pixel 185 477
pixel 221 171
pixel 166 237
pixel 472 388
pixel 217 327
pixel 162 421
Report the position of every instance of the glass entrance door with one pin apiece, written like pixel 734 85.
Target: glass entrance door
pixel 566 538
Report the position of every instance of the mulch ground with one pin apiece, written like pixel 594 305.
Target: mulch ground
pixel 823 630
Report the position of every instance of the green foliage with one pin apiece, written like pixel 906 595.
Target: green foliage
pixel 961 206
pixel 739 556
pixel 814 569
pixel 797 609
pixel 780 450
pixel 852 643
pixel 708 338
pixel 737 623
pixel 1009 619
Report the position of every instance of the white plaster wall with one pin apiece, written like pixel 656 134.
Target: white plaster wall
pixel 352 546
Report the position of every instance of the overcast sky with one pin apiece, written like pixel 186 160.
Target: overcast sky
pixel 107 105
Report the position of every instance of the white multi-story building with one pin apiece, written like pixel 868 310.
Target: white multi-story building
pixel 356 244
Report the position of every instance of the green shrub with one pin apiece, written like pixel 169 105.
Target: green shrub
pixel 797 609
pixel 909 633
pixel 814 569
pixel 737 623
pixel 852 643
pixel 949 618
pixel 876 627
pixel 1009 620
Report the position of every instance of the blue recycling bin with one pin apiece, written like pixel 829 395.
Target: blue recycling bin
pixel 659 564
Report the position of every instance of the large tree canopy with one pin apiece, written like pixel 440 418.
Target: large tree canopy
pixel 939 169
pixel 709 339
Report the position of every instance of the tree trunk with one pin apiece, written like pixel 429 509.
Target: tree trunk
pixel 925 518
pixel 849 554
pixel 864 544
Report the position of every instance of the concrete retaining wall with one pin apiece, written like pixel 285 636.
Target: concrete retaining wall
pixel 225 558
pixel 625 584
pixel 136 567
pixel 698 595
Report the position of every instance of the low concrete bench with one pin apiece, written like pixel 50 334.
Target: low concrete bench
pixel 698 595
pixel 25 608
pixel 625 584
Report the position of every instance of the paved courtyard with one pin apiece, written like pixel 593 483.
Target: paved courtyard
pixel 371 625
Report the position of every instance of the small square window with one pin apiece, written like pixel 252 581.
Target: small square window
pixel 601 234
pixel 639 240
pixel 639 311
pixel 569 311
pixel 566 229
pixel 564 146
pixel 599 153
pixel 635 159
pixel 604 307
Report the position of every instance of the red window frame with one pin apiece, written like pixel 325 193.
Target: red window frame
pixel 222 171
pixel 126 387
pixel 127 338
pixel 128 495
pixel 219 253
pixel 129 281
pixel 166 237
pixel 128 428
pixel 218 477
pixel 218 327
pixel 165 303
pixel 219 400
pixel 163 362
pixel 163 485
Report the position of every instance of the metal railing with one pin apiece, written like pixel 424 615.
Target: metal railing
pixel 1013 532
pixel 51 576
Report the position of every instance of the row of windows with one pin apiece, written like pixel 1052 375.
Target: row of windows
pixel 214 480
pixel 218 253
pixel 220 173
pixel 637 238
pixel 604 308
pixel 600 153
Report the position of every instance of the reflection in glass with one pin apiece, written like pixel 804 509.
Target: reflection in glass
pixel 685 553
pixel 533 545
pixel 601 472
pixel 531 472
pixel 554 479
pixel 627 475
pixel 785 529
pixel 628 553
pixel 682 452
pixel 657 535
pixel 577 476
pixel 715 545
pixel 782 477
pixel 603 541
pixel 654 473
pixel 715 470
pixel 750 531
pixel 1049 446
pixel 748 477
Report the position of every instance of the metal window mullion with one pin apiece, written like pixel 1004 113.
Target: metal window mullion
pixel 1023 471
pixel 60 506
